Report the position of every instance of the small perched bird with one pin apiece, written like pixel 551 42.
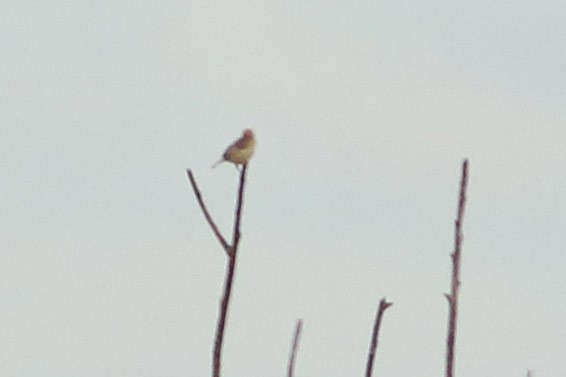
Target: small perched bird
pixel 240 151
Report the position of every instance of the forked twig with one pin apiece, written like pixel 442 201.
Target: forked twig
pixel 455 286
pixel 294 348
pixel 383 305
pixel 206 214
pixel 231 251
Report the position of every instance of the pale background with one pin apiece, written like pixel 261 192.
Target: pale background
pixel 363 110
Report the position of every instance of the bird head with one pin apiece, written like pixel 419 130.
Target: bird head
pixel 248 133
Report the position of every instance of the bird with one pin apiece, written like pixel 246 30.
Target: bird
pixel 240 151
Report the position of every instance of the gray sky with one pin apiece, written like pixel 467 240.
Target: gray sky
pixel 363 111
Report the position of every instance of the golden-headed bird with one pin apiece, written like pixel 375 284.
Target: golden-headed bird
pixel 240 151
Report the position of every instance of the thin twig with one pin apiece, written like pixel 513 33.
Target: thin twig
pixel 223 314
pixel 231 269
pixel 231 251
pixel 383 305
pixel 294 348
pixel 453 296
pixel 238 215
pixel 209 219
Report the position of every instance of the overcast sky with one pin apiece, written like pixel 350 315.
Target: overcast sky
pixel 363 111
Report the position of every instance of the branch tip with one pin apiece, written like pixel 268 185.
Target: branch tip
pixel 455 284
pixel 383 305
pixel 294 348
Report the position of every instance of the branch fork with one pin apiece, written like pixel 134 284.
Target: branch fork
pixel 231 252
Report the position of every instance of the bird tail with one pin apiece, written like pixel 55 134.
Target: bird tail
pixel 217 163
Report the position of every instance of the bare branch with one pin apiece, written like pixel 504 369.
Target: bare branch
pixel 455 286
pixel 239 205
pixel 209 219
pixel 223 314
pixel 294 348
pixel 383 305
pixel 231 251
pixel 231 269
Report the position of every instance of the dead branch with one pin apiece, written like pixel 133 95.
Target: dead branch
pixel 455 286
pixel 206 214
pixel 238 214
pixel 294 348
pixel 232 252
pixel 383 305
